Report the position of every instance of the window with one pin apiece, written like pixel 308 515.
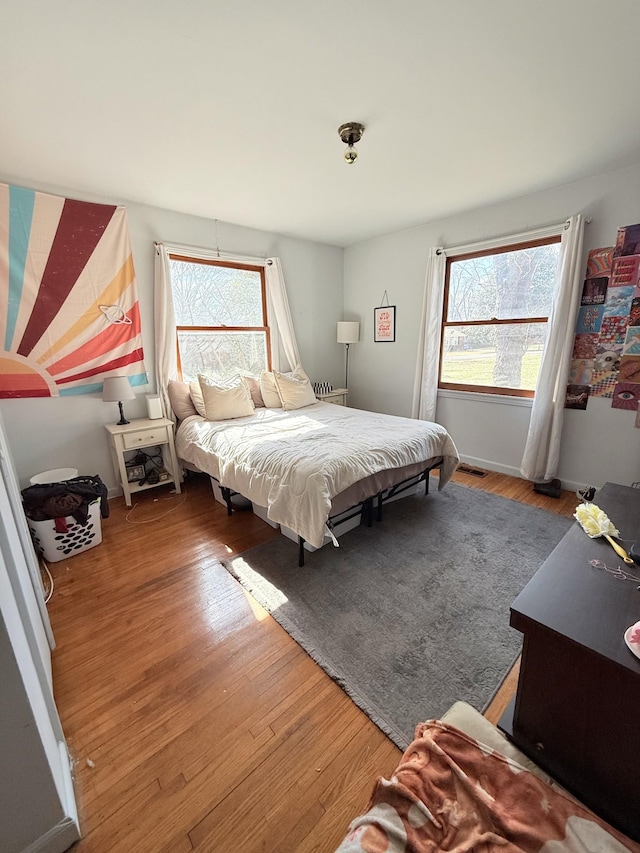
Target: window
pixel 496 306
pixel 221 317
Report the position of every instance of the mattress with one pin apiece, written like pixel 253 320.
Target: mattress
pixel 296 463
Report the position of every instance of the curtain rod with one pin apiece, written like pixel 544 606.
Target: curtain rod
pixel 495 242
pixel 212 254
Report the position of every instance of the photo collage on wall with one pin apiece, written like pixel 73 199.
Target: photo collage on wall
pixel 606 354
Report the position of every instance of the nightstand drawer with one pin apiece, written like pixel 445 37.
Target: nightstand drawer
pixel 144 438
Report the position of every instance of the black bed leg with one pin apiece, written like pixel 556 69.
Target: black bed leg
pixel 368 511
pixel 226 494
pixel 300 551
pixel 379 502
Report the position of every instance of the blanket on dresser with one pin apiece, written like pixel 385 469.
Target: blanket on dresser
pixel 294 463
pixel 451 793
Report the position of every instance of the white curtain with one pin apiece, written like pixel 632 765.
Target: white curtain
pixel 542 449
pixel 279 316
pixel 425 387
pixel 165 328
pixel 280 321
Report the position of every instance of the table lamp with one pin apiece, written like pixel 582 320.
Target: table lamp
pixel 115 389
pixel 348 333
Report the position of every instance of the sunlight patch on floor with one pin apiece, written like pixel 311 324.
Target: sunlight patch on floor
pixel 258 611
pixel 274 596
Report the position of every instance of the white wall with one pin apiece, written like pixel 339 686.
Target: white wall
pixel 599 444
pixel 69 431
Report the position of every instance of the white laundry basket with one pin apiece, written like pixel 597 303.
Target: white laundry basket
pixel 55 546
pixel 56 475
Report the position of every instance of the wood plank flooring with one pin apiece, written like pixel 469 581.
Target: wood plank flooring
pixel 194 721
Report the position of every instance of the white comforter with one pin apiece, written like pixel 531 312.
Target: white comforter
pixel 294 463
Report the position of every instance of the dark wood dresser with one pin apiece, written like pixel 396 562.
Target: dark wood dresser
pixel 576 712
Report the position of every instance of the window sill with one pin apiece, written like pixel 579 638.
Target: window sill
pixel 477 397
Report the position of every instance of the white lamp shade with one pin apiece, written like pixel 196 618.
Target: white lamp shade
pixel 117 388
pixel 348 332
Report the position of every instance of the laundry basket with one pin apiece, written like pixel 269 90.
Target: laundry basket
pixel 55 546
pixel 56 475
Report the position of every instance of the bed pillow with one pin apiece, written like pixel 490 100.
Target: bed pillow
pixel 196 397
pixel 225 400
pixel 269 391
pixel 180 399
pixel 294 392
pixel 253 384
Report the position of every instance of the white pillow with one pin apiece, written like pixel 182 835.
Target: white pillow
pixel 269 389
pixel 196 392
pixel 181 400
pixel 225 400
pixel 196 397
pixel 294 393
pixel 253 384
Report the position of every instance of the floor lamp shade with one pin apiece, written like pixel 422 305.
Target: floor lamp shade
pixel 348 332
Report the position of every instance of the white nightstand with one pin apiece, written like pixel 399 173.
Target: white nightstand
pixel 337 396
pixel 145 432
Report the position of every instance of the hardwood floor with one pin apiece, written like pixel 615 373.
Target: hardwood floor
pixel 194 721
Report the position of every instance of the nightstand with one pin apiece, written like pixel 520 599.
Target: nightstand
pixel 141 433
pixel 337 396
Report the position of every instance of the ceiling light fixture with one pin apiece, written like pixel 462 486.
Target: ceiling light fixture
pixel 350 133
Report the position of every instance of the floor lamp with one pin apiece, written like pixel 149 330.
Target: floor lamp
pixel 348 333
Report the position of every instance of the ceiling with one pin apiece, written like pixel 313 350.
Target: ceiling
pixel 230 110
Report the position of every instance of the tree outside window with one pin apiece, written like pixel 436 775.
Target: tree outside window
pixel 221 317
pixel 495 316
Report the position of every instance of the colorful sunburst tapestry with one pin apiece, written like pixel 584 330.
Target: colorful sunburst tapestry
pixel 69 313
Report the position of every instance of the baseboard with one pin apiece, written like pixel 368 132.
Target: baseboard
pixel 512 471
pixel 490 465
pixel 58 839
pixel 571 486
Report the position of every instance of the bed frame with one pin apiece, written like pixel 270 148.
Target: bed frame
pixel 366 508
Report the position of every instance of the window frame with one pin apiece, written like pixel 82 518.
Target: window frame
pixel 503 248
pixel 218 262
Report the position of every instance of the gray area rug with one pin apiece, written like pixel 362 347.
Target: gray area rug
pixel 412 614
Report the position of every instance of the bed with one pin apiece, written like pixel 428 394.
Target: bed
pixel 309 466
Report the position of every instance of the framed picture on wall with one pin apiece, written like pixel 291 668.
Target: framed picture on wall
pixel 384 323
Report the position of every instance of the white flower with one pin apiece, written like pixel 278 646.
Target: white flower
pixel 594 521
